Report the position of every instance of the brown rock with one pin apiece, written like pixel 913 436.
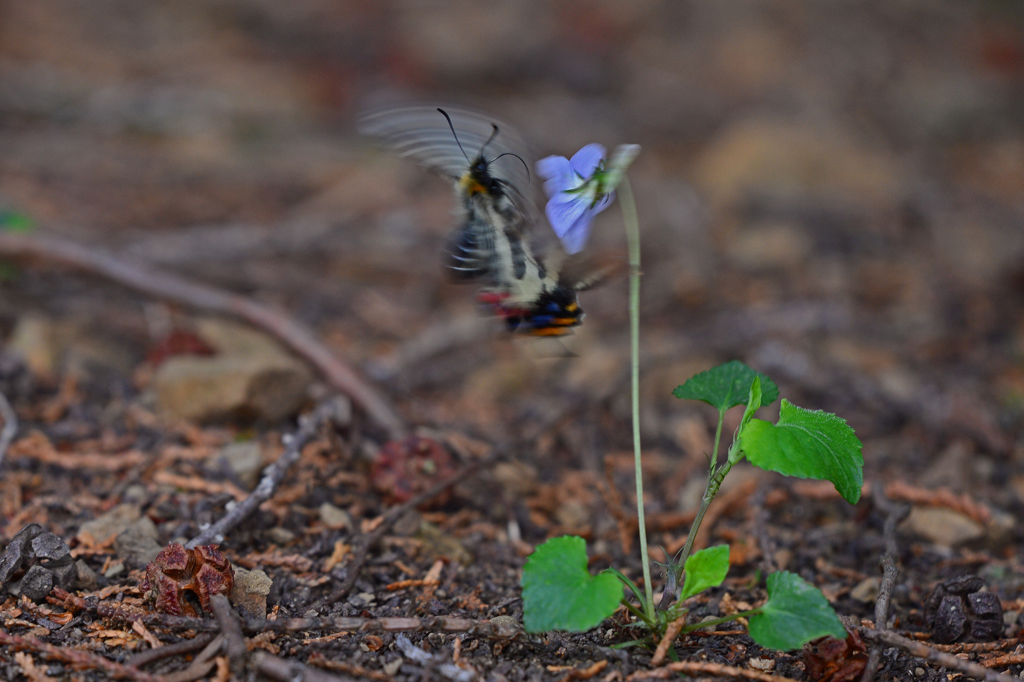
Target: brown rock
pixel 251 377
pixel 942 526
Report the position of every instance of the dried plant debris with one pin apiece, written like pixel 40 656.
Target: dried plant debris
pixel 958 611
pixel 836 660
pixel 181 581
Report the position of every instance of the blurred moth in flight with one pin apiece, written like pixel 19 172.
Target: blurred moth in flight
pixel 494 246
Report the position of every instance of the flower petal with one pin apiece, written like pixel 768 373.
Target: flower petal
pixel 557 173
pixel 585 161
pixel 576 237
pixel 570 218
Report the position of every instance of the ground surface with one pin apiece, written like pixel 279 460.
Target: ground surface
pixel 833 195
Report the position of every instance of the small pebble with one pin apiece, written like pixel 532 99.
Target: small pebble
pixel 114 570
pixel 918 672
pixel 440 594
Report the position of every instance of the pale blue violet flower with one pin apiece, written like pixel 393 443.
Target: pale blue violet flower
pixel 581 187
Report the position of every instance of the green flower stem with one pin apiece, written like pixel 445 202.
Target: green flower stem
pixel 632 223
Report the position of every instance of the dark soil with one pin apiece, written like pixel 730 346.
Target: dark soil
pixel 833 195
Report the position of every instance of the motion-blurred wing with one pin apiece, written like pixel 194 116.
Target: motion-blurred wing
pixel 421 133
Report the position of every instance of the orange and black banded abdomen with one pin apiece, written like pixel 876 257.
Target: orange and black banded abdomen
pixel 554 313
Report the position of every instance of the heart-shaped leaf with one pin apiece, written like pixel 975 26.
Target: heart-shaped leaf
pixel 704 569
pixel 796 612
pixel 560 594
pixel 726 386
pixel 807 444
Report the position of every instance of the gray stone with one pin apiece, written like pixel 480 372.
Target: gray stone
pixel 109 525
pixel 245 460
pixel 37 583
pixel 280 536
pixel 52 549
pixel 333 517
pixel 16 553
pixel 65 576
pixel 136 545
pixel 85 577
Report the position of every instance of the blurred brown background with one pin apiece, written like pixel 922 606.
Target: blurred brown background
pixel 831 192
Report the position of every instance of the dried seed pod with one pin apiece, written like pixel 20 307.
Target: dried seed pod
pixel 181 581
pixel 836 660
pixel 957 611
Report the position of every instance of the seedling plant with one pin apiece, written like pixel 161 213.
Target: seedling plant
pixel 559 593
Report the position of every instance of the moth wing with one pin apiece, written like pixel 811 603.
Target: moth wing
pixel 581 272
pixel 421 133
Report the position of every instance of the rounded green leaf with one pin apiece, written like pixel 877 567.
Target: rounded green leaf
pixel 807 444
pixel 704 569
pixel 726 386
pixel 796 612
pixel 560 594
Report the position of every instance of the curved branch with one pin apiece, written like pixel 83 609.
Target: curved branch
pixel 148 280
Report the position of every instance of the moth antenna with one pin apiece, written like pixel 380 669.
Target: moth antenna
pixel 490 139
pixel 518 157
pixel 449 119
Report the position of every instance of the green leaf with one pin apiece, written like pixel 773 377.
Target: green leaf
pixel 704 569
pixel 560 594
pixel 726 386
pixel 796 612
pixel 11 221
pixel 753 400
pixel 807 444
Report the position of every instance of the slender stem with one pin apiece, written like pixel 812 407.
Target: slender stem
pixel 629 217
pixel 709 494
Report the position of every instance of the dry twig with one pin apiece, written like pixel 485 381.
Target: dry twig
pixel 185 646
pixel 153 282
pixel 272 476
pixel 474 628
pixel 234 640
pixel 704 668
pixel 896 514
pixel 671 632
pixel 80 660
pixel 969 668
pixel 286 671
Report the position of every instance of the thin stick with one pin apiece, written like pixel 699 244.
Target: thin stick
pixel 10 429
pixel 185 646
pixel 287 671
pixel 153 282
pixel 234 640
pixel 707 669
pixel 969 668
pixel 672 631
pixel 76 658
pixel 468 626
pixel 273 475
pixel 475 628
pixel 896 514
